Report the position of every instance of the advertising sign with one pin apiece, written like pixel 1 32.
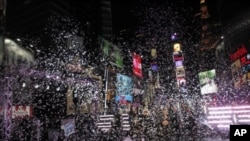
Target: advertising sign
pixel 181 81
pixel 245 60
pixel 137 66
pixel 178 63
pixel 111 85
pixel 124 89
pixel 177 47
pixel 21 111
pixel 238 77
pixel 154 66
pixel 68 126
pixel 178 56
pixel 207 82
pixel 70 104
pixel 182 84
pixel 153 53
pixel 240 52
pixel 180 71
pixel 112 51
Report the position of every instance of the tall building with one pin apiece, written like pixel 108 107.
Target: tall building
pixel 30 16
pixel 210 34
pixel 106 19
pixel 235 29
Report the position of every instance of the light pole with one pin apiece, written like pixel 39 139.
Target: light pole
pixel 106 73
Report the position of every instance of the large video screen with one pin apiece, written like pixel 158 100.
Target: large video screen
pixel 207 82
pixel 124 88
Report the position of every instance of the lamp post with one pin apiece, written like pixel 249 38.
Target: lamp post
pixel 106 88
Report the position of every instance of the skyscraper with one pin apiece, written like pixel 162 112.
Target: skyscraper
pixel 30 16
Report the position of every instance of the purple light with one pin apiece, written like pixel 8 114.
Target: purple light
pixel 173 37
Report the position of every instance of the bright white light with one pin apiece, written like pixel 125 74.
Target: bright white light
pixel 36 86
pixel 229 112
pixel 58 88
pixel 219 117
pixel 234 118
pixel 229 107
pixel 18 39
pixel 219 108
pixel 246 116
pixel 219 121
pixel 24 84
pixel 244 120
pixel 223 126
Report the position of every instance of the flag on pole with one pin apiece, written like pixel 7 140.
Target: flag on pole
pixel 112 51
pixel 118 59
pixel 105 47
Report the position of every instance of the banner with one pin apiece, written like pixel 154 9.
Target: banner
pixel 68 126
pixel 106 47
pixel 137 66
pixel 240 66
pixel 238 77
pixel 70 104
pixel 177 47
pixel 113 52
pixel 111 90
pixel 207 82
pixel 180 71
pixel 153 53
pixel 21 111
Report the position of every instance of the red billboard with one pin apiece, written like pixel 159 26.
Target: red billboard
pixel 21 111
pixel 137 66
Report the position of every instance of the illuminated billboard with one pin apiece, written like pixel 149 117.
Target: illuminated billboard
pixel 245 60
pixel 182 84
pixel 178 63
pixel 238 77
pixel 180 71
pixel 153 53
pixel 154 66
pixel 137 66
pixel 178 56
pixel 177 47
pixel 124 89
pixel 240 52
pixel 207 82
pixel 240 66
